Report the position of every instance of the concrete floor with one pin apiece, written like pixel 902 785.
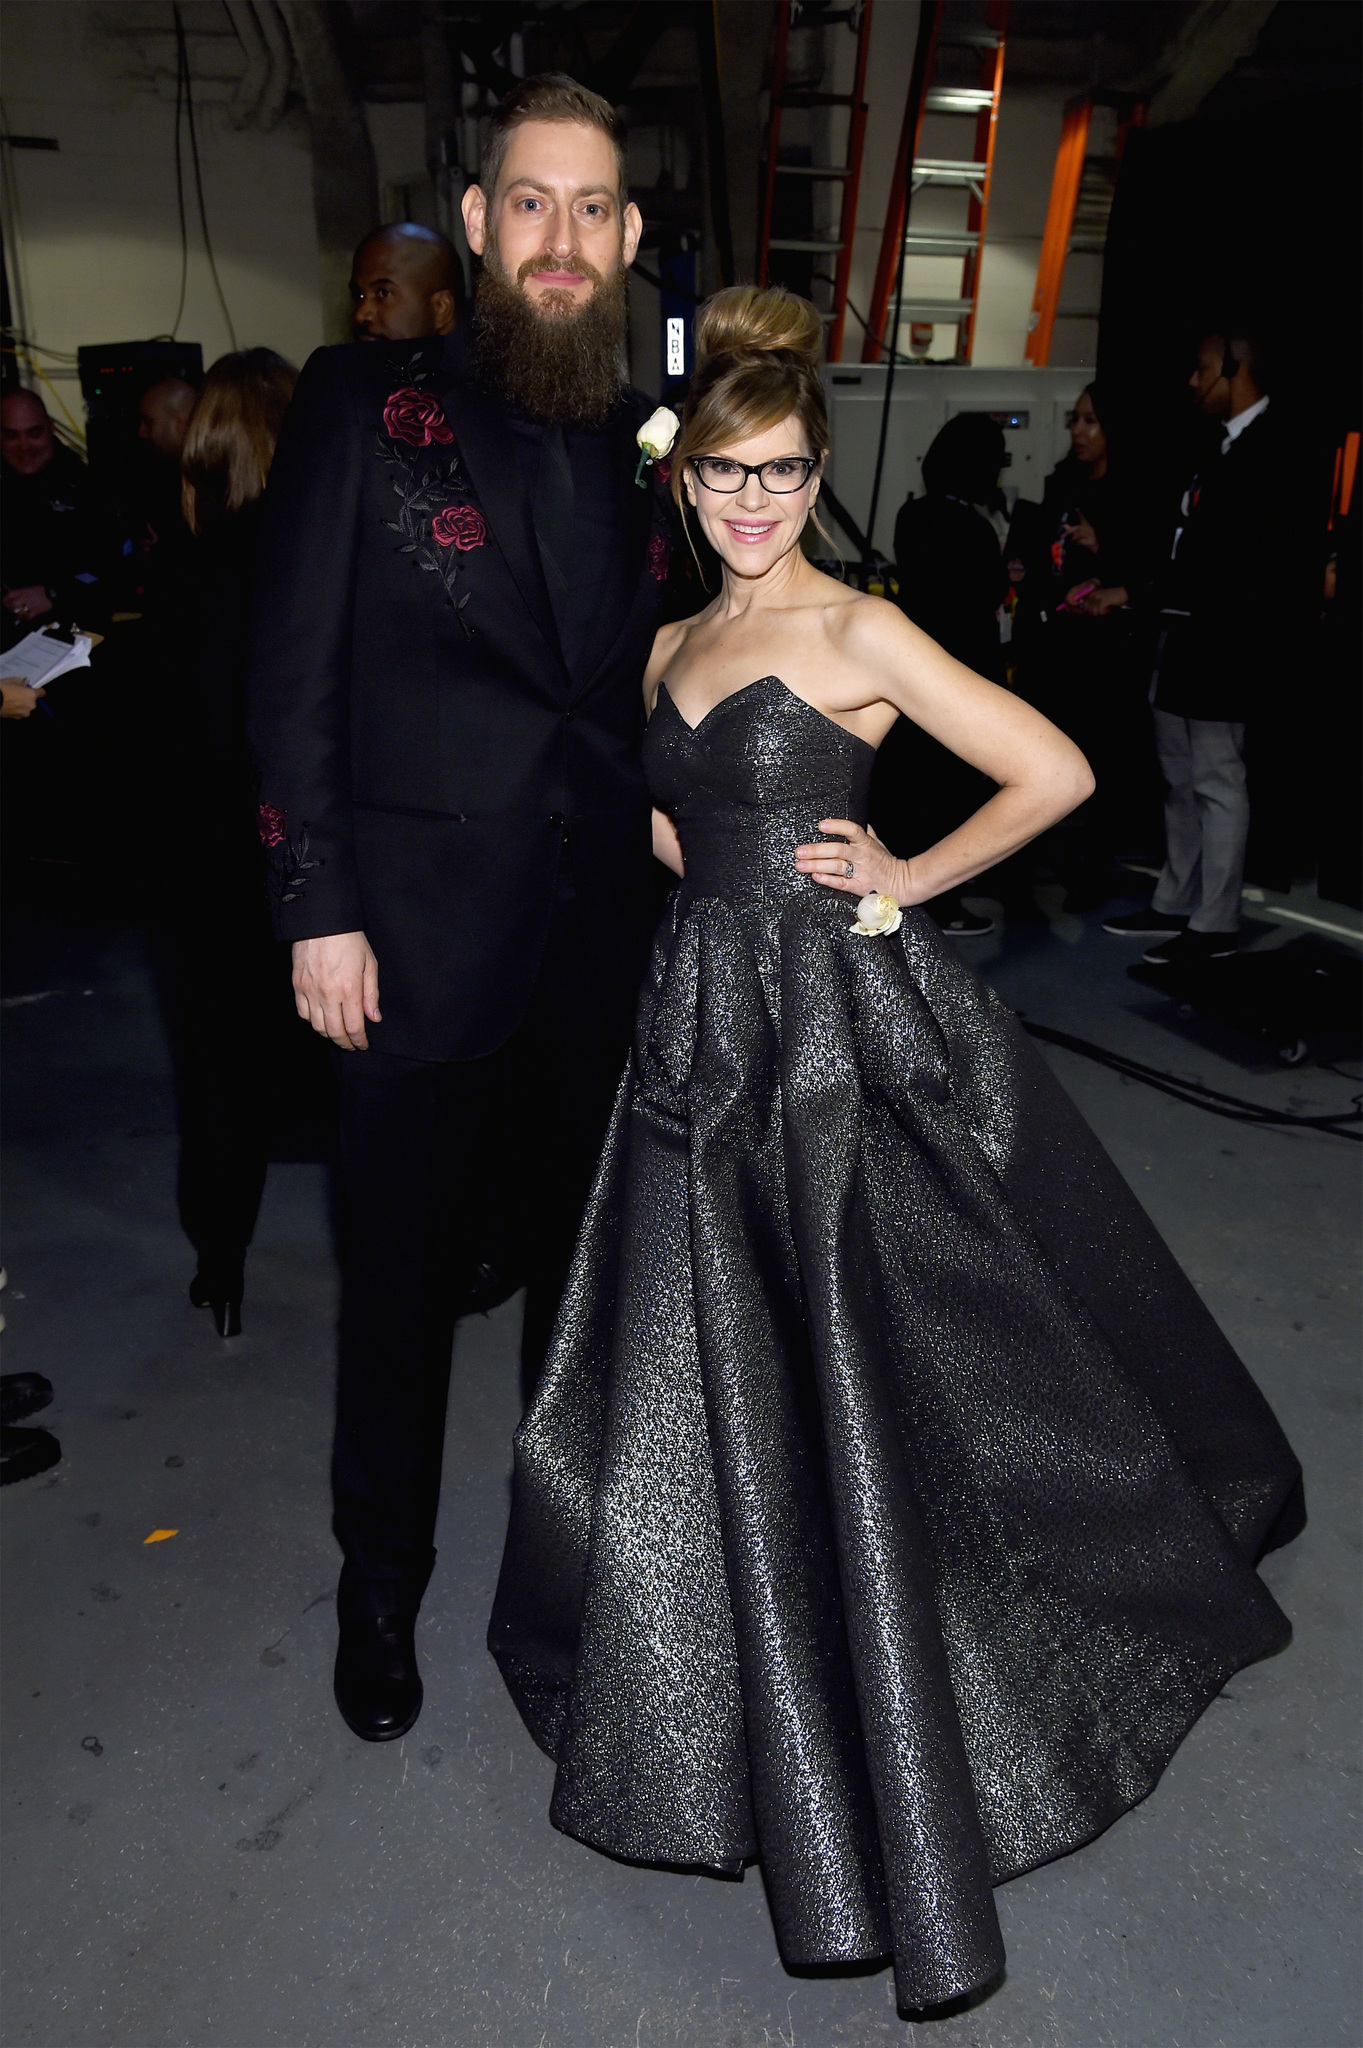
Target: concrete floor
pixel 199 1855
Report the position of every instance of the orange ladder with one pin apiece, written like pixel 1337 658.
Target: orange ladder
pixel 972 174
pixel 796 14
pixel 1071 180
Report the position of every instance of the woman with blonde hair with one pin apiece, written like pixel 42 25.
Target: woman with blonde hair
pixel 233 999
pixel 889 1503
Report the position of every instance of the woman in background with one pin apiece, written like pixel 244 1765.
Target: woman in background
pixel 1075 656
pixel 234 1000
pixel 951 583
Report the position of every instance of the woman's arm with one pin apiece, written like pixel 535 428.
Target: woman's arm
pixel 666 845
pixel 1041 774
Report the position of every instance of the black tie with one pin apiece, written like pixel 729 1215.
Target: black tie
pixel 555 504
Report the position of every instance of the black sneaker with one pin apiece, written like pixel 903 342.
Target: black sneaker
pixel 1192 949
pixel 1146 924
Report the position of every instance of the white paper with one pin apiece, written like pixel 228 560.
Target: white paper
pixel 36 659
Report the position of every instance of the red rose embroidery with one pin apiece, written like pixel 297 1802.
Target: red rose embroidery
pixel 271 826
pixel 415 417
pixel 459 526
pixel 659 555
pixel 664 471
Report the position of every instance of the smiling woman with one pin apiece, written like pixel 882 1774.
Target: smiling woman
pixel 877 1512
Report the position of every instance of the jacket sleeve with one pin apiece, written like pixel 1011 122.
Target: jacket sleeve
pixel 299 662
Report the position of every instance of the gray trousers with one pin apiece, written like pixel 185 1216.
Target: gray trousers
pixel 1206 820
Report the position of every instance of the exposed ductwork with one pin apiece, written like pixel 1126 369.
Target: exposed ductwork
pixel 259 99
pixel 345 186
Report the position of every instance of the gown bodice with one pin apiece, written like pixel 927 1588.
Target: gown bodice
pixel 749 784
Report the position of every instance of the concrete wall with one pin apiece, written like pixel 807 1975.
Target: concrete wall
pixel 98 243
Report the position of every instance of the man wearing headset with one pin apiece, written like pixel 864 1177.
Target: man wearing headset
pixel 1235 582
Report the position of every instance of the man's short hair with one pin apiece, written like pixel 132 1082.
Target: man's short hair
pixel 549 96
pixel 1245 341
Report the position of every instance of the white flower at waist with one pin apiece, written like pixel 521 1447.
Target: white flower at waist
pixel 658 433
pixel 877 916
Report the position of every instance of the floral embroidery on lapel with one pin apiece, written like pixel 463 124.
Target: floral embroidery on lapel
pixel 434 532
pixel 415 417
pixel 459 526
pixel 659 555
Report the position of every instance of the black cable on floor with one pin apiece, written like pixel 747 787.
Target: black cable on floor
pixel 1197 1094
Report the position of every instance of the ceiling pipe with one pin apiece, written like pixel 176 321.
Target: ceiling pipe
pixel 245 102
pixel 276 36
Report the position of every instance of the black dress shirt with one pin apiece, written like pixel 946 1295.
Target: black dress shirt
pixel 596 519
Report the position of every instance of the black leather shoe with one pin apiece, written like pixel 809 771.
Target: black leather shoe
pixel 23 1393
pixel 26 1452
pixel 226 1309
pixel 377 1685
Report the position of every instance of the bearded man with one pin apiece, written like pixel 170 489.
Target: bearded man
pixel 458 583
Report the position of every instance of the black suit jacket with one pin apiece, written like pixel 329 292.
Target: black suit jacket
pixel 426 760
pixel 1243 584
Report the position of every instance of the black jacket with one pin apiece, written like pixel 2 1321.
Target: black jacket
pixel 426 761
pixel 1242 582
pixel 952 578
pixel 57 530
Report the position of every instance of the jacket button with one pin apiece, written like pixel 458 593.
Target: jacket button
pixel 556 820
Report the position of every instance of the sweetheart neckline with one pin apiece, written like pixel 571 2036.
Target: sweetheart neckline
pixel 756 684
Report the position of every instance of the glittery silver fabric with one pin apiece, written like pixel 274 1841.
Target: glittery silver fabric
pixel 889 1505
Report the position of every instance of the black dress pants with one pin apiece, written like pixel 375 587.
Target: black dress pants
pixel 438 1160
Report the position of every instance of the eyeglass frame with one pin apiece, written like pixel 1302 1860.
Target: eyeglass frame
pixel 811 463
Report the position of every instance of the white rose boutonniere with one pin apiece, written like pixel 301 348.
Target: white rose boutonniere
pixel 877 916
pixel 655 438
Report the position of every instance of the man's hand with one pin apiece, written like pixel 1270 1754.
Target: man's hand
pixel 336 987
pixel 30 601
pixel 17 700
pixel 1081 532
pixel 1109 598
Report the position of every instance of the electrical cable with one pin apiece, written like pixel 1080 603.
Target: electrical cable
pixel 822 277
pixel 180 185
pixel 198 173
pixel 1197 1094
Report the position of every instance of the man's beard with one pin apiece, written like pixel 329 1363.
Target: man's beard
pixel 550 361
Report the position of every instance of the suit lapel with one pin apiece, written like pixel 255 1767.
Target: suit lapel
pixel 489 452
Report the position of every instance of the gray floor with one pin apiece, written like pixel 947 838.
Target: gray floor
pixel 200 1856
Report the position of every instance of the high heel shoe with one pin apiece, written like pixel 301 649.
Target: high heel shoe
pixel 226 1309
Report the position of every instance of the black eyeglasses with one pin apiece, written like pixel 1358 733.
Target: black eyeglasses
pixel 782 474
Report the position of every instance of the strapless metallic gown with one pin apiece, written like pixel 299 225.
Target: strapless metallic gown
pixel 889 1506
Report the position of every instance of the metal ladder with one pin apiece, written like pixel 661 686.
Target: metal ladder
pixel 797 14
pixel 1077 215
pixel 972 174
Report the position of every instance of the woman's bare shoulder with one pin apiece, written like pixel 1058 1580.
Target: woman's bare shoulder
pixel 667 642
pixel 869 625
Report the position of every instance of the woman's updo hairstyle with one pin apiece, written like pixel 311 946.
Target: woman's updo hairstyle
pixel 757 363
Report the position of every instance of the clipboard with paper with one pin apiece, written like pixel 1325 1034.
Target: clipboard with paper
pixel 39 658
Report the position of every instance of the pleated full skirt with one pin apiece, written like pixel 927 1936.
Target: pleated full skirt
pixel 889 1506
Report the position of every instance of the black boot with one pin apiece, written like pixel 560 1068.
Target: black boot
pixel 377 1684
